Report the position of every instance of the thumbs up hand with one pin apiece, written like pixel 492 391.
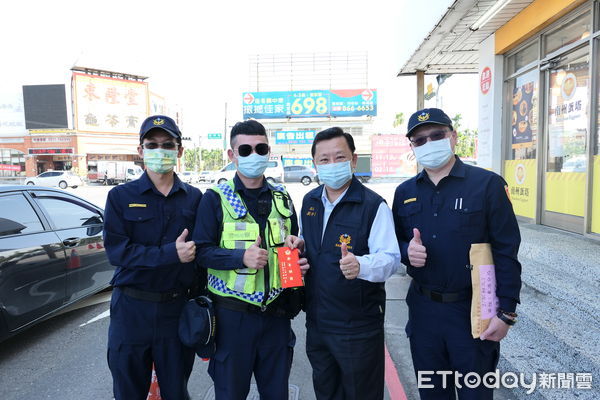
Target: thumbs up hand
pixel 349 264
pixel 186 251
pixel 417 254
pixel 255 257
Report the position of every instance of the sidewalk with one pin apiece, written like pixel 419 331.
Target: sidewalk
pixel 559 317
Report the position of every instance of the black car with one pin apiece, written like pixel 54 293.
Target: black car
pixel 51 254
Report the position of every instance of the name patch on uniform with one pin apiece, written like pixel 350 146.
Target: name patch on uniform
pixel 410 200
pixel 311 212
pixel 137 205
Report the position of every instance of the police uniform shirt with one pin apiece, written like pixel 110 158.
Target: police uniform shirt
pixel 209 224
pixel 470 205
pixel 384 258
pixel 140 229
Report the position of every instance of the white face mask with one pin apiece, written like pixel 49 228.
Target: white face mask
pixel 434 154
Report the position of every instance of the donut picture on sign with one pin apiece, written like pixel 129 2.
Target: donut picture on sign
pixel 523 108
pixel 517 97
pixel 568 86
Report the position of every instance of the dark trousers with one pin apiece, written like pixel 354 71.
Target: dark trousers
pixel 347 366
pixel 250 343
pixel 440 340
pixel 142 333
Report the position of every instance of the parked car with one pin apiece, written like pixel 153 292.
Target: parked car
pixel 62 179
pixel 188 176
pixel 51 254
pixel 273 173
pixel 299 173
pixel 205 176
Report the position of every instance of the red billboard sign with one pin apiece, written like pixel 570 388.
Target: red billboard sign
pixel 7 167
pixel 392 156
pixel 51 151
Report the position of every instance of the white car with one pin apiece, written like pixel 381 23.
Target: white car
pixel 62 179
pixel 188 176
pixel 273 173
pixel 205 176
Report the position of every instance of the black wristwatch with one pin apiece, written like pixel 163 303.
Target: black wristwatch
pixel 505 319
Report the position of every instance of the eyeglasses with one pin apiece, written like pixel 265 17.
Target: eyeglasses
pixel 244 150
pixel 164 145
pixel 434 136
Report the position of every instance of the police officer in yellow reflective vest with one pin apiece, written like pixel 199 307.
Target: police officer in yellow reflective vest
pixel 239 225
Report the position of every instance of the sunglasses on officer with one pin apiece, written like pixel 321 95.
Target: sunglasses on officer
pixel 434 136
pixel 163 145
pixel 244 150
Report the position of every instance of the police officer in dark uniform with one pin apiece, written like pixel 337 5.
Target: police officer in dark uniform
pixel 239 226
pixel 346 230
pixel 438 214
pixel 146 230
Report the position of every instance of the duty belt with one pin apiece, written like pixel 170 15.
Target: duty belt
pixel 233 304
pixel 443 297
pixel 155 297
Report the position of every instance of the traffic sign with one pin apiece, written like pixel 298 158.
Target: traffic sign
pixel 218 136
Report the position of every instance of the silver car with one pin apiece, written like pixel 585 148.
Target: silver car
pixel 299 173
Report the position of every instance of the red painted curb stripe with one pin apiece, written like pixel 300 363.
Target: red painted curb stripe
pixel 392 381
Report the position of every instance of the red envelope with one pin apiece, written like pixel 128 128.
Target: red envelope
pixel 289 269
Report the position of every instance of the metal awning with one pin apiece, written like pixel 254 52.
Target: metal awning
pixel 452 47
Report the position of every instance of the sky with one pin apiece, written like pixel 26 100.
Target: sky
pixel 196 53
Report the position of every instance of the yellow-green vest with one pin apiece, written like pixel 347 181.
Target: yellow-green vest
pixel 240 231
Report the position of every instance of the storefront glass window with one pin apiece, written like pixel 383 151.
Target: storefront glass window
pixel 12 163
pixel 567 114
pixel 522 58
pixel 595 225
pixel 575 30
pixel 524 116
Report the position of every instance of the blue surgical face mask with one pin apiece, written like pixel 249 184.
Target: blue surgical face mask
pixel 335 175
pixel 159 160
pixel 434 154
pixel 252 166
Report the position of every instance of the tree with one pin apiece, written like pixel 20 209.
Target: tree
pixel 201 160
pixel 398 120
pixel 467 138
pixel 191 159
pixel 212 159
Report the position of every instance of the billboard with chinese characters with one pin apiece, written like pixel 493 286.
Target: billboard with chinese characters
pixel 294 137
pixel 310 103
pixel 108 104
pixel 391 155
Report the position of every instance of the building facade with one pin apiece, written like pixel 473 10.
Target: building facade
pixel 103 113
pixel 538 67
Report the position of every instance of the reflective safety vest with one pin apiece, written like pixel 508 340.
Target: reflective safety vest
pixel 240 231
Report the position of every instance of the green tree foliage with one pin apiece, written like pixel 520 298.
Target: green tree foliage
pixel 206 160
pixel 399 119
pixel 212 159
pixel 190 159
pixel 465 146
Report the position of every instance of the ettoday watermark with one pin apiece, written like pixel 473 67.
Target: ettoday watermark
pixel 509 380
